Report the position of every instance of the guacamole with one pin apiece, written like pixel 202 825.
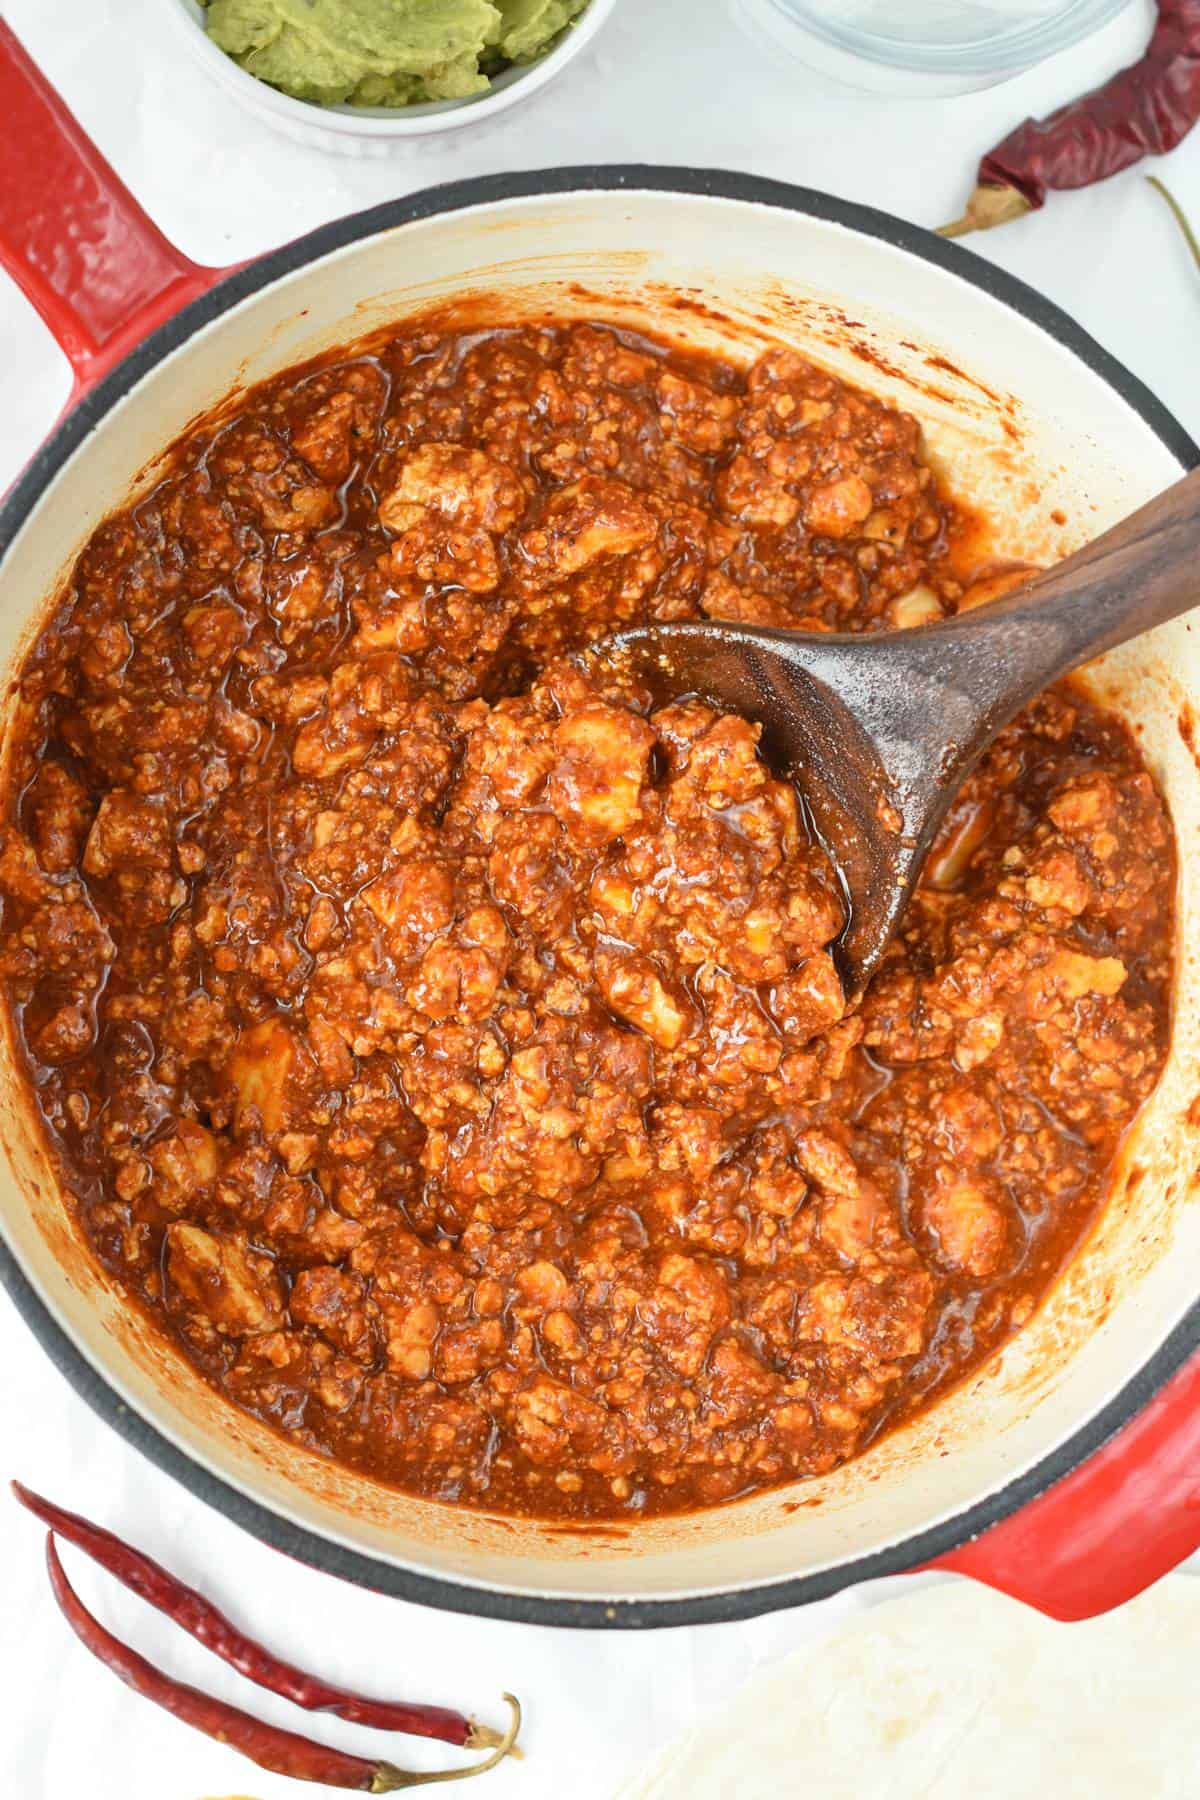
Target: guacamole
pixel 385 52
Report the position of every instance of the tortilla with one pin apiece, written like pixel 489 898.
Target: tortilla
pixel 956 1691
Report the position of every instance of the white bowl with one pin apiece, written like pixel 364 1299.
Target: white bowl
pixel 374 130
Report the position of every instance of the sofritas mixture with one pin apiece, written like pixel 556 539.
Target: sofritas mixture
pixel 443 1042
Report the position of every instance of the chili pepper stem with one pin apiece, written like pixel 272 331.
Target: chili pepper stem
pixel 486 1737
pixel 482 1737
pixel 1184 223
pixel 990 204
pixel 390 1780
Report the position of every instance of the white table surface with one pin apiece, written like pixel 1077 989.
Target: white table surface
pixel 671 81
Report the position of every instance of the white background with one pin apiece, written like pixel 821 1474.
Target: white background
pixel 670 81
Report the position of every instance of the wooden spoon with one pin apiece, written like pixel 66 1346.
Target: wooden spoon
pixel 879 730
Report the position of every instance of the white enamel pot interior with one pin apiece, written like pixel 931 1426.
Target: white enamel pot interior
pixel 1027 416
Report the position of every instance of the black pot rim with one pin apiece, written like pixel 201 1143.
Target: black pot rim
pixel 272 1528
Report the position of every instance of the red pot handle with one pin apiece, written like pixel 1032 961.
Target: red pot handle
pixel 1097 1538
pixel 72 236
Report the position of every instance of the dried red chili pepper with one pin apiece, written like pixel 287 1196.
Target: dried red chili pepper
pixel 1145 110
pixel 270 1746
pixel 190 1610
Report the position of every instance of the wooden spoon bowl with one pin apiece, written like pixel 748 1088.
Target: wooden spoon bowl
pixel 878 731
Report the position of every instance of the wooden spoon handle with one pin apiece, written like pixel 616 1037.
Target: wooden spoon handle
pixel 1143 572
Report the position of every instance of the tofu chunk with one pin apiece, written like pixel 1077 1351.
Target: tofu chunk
pixel 602 759
pixel 223 1281
pixel 461 486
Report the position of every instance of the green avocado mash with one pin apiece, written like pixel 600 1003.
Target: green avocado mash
pixel 385 52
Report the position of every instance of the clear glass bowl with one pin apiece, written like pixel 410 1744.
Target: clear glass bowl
pixel 924 46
